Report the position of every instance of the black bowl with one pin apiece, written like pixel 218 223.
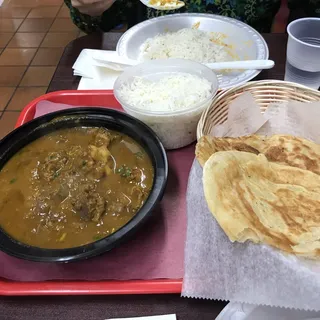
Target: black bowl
pixel 86 117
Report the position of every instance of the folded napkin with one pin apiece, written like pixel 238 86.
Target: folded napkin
pixel 93 76
pixel 104 80
pixel 99 69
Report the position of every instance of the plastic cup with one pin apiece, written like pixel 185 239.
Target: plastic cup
pixel 303 52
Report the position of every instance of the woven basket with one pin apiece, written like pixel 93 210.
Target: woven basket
pixel 264 92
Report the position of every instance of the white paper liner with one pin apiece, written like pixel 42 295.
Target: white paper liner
pixel 243 311
pixel 216 268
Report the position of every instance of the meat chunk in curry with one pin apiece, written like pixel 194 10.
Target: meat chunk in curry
pixel 73 186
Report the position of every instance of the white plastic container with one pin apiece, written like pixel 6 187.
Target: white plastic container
pixel 175 129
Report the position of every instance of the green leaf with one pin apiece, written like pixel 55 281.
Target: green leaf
pixel 124 171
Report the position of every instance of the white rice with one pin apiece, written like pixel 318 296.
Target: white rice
pixel 188 43
pixel 174 92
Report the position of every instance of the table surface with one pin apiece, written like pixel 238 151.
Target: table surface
pixel 105 307
pixel 98 307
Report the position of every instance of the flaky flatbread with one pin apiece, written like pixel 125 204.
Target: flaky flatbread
pixel 263 201
pixel 283 149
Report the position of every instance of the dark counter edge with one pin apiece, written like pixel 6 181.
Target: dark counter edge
pixel 104 307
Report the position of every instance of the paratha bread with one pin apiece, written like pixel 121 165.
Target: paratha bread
pixel 265 202
pixel 285 149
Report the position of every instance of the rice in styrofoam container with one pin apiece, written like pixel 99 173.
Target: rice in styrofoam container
pixel 187 43
pixel 169 96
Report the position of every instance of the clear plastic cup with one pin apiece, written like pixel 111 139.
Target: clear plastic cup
pixel 303 52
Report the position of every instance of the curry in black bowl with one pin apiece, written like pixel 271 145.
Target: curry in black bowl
pixel 73 186
pixel 78 183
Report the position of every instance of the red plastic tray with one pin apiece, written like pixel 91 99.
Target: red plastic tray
pixel 11 288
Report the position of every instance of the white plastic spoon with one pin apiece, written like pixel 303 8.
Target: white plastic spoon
pixel 245 65
pixel 119 63
pixel 173 5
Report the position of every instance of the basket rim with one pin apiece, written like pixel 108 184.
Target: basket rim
pixel 252 85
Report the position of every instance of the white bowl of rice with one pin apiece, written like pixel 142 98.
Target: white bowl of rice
pixel 169 96
pixel 200 37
